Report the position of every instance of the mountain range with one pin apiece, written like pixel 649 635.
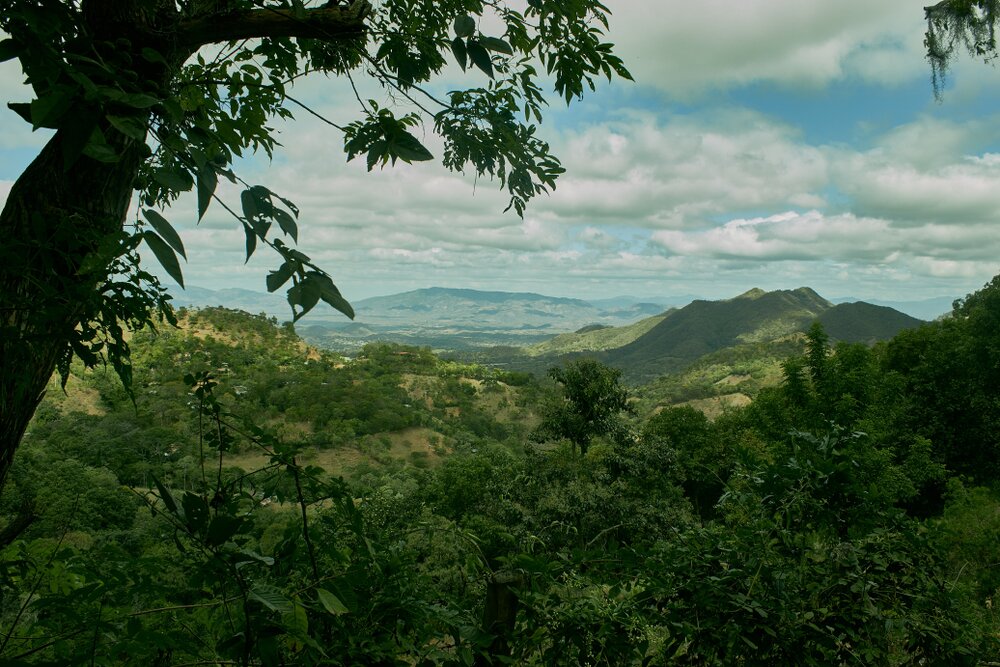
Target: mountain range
pixel 442 318
pixel 642 337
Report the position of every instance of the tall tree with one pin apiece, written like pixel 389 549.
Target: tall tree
pixel 591 404
pixel 152 98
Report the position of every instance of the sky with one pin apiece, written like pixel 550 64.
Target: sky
pixel 764 143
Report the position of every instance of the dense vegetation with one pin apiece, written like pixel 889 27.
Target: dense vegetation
pixel 463 515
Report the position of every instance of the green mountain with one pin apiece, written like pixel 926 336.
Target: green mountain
pixel 703 327
pixel 862 322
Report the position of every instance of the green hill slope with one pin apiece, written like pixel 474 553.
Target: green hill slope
pixel 703 327
pixel 592 339
pixel 862 322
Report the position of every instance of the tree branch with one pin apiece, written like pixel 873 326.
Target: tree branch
pixel 329 23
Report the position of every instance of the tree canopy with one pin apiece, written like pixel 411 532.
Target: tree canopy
pixel 591 403
pixel 149 99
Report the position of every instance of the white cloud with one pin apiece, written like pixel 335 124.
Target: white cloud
pixel 674 171
pixel 688 48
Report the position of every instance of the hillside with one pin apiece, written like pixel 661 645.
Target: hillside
pixel 390 406
pixel 595 338
pixel 862 322
pixel 703 327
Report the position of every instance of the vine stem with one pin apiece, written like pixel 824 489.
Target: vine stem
pixel 305 521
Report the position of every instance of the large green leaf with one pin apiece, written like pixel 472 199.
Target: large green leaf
pixel 173 178
pixel 287 223
pixel 196 512
pixel 8 50
pixel 165 255
pixel 207 181
pixel 305 294
pixel 496 44
pixel 222 528
pixel 331 602
pixel 49 109
pixel 129 126
pixel 458 49
pixel 408 148
pixel 271 597
pixel 480 57
pixel 275 279
pixel 97 148
pixel 165 230
pixel 330 294
pixel 464 25
pixel 22 109
pixel 251 241
pixel 168 500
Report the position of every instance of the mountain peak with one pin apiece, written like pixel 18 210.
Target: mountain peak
pixel 754 293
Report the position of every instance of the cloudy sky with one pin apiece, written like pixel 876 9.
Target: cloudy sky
pixel 765 143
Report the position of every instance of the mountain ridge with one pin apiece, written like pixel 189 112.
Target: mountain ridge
pixel 703 327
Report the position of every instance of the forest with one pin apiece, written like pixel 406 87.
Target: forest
pixel 256 501
pixel 202 487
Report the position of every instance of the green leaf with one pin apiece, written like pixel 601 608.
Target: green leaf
pixel 137 100
pixel 406 147
pixel 196 512
pixel 207 181
pixel 249 202
pixel 174 179
pixel 495 44
pixel 305 294
pixel 287 224
pixel 330 294
pixel 297 620
pixel 458 49
pixel 375 152
pixel 331 602
pixel 252 557
pixel 97 148
pixel 22 109
pixel 251 240
pixel 165 255
pixel 275 279
pixel 290 204
pixel 464 25
pixel 51 107
pixel 222 528
pixel 152 56
pixel 271 597
pixel 8 50
pixel 128 126
pixel 480 57
pixel 168 500
pixel 165 230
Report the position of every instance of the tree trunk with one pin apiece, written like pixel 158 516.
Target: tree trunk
pixel 500 615
pixel 54 219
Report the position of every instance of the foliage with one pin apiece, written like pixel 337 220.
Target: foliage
pixel 954 24
pixel 767 536
pixel 592 402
